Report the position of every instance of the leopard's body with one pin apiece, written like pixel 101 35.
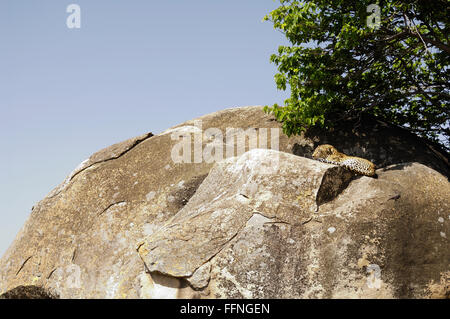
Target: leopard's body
pixel 329 154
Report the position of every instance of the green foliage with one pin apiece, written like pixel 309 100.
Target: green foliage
pixel 338 67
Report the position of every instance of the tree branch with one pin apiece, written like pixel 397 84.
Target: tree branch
pixel 437 44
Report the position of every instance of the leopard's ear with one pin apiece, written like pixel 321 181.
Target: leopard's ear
pixel 330 149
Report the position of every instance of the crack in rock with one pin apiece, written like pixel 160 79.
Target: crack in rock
pixel 23 265
pixel 100 157
pixel 121 203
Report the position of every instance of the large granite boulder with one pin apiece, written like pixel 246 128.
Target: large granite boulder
pixel 131 223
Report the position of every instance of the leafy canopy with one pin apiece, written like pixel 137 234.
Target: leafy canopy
pixel 339 66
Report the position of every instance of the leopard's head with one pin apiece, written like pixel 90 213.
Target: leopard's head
pixel 323 151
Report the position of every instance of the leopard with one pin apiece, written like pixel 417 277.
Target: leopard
pixel 329 154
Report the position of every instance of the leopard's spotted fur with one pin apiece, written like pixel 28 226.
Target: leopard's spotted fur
pixel 329 154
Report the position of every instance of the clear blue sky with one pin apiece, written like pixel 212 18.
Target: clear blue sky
pixel 133 67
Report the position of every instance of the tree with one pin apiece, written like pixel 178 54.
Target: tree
pixel 341 64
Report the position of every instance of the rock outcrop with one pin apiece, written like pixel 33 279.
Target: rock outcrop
pixel 131 223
